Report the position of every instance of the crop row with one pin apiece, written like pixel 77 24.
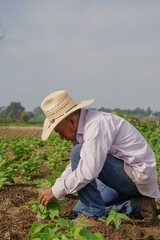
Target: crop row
pixel 25 158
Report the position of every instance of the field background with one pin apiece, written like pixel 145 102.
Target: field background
pixel 22 146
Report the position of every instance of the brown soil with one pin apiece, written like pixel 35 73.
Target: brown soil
pixel 16 221
pixel 10 132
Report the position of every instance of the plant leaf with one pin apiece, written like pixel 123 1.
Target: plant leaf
pixel 117 221
pixel 123 216
pixel 110 218
pixel 35 228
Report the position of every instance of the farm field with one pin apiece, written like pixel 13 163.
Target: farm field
pixel 10 132
pixel 29 164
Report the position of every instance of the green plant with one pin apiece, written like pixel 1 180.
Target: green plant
pixel 5 178
pixel 63 229
pixel 115 218
pixel 49 212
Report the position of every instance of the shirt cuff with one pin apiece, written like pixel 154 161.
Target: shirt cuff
pixel 58 191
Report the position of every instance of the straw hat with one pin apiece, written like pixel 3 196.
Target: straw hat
pixel 56 107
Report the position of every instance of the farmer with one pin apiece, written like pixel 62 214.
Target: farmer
pixel 112 166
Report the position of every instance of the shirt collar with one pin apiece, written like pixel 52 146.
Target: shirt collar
pixel 80 129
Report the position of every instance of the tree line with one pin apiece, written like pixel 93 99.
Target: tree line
pixel 139 112
pixel 15 112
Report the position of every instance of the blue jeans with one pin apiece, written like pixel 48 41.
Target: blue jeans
pixel 115 189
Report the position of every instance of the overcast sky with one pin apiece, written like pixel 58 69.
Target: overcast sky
pixel 102 49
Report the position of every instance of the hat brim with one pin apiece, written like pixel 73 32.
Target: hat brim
pixel 48 127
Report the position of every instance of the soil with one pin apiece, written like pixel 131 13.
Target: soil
pixel 16 220
pixel 10 132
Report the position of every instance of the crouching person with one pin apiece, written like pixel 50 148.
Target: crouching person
pixel 112 166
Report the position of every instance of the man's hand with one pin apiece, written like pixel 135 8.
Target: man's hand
pixel 46 196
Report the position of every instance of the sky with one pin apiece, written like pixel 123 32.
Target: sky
pixel 101 49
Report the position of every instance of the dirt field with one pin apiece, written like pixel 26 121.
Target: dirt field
pixel 15 220
pixel 10 132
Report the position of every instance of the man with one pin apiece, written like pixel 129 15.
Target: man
pixel 112 166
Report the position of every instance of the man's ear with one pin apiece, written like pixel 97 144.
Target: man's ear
pixel 71 119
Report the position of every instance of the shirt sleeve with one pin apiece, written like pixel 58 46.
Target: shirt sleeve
pixel 98 137
pixel 65 173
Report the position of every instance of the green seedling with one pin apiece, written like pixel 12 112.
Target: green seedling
pixel 49 212
pixel 4 178
pixel 115 218
pixel 63 229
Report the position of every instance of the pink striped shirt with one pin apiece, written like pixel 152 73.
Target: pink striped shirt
pixel 102 133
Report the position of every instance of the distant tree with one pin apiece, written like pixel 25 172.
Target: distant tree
pixel 137 111
pixel 1 111
pixel 2 108
pixel 14 111
pixel 103 109
pixel 148 111
pixel 38 112
pixel 24 117
pixel 156 114
pixel 30 114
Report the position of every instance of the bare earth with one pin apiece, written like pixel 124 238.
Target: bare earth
pixel 16 221
pixel 10 132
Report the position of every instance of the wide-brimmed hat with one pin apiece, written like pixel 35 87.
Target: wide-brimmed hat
pixel 56 107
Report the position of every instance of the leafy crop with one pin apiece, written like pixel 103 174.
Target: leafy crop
pixel 114 218
pixel 59 228
pixel 49 212
pixel 5 178
pixel 25 157
pixel 63 229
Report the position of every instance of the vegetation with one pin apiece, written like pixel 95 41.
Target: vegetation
pixel 15 114
pixel 115 218
pixel 63 229
pixel 136 112
pixel 28 155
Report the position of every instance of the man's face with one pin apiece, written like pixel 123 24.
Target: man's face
pixel 66 130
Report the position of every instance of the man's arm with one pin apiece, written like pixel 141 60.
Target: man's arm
pixel 46 195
